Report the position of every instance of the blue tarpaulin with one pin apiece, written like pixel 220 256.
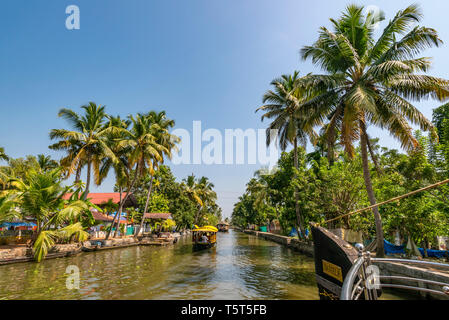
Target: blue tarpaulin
pixel 294 233
pixel 393 249
pixel 434 253
pixel 17 224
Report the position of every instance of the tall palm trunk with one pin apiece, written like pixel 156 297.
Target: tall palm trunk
pixel 78 173
pixel 89 166
pixel 146 203
pixel 116 214
pixel 373 157
pixel 197 216
pixel 36 233
pixel 122 204
pixel 128 192
pixel 299 219
pixel 372 199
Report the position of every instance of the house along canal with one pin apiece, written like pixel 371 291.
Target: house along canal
pixel 241 266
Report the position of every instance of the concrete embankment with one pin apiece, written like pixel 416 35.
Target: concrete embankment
pixel 292 243
pixel 25 254
pixel 22 253
pixel 402 270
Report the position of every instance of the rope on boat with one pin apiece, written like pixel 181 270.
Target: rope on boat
pixel 389 201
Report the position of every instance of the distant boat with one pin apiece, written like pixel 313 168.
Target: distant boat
pixel 223 226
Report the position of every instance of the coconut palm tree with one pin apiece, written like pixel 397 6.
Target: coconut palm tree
pixel 160 125
pixel 6 174
pixel 40 196
pixel 290 118
pixel 121 167
pixel 3 155
pixel 193 191
pixel 141 149
pixel 259 189
pixel 199 191
pixel 8 207
pixel 86 143
pixel 371 82
pixel 69 161
pixel 46 163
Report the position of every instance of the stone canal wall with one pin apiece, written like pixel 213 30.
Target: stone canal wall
pixel 24 254
pixel 292 243
pixel 396 269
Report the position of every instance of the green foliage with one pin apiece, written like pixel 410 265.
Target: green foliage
pixel 47 239
pixel 3 155
pixel 338 189
pixel 329 191
pixel 134 148
pixel 40 196
pixel 8 208
pixel 177 198
pixel 87 144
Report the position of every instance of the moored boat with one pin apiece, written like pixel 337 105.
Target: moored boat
pixel 345 272
pixel 223 226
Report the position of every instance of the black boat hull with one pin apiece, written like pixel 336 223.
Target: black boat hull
pixel 202 246
pixel 334 258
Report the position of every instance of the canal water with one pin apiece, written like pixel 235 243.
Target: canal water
pixel 241 266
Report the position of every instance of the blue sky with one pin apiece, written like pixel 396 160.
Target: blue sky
pixel 197 59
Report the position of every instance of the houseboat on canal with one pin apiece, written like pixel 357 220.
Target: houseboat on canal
pixel 223 226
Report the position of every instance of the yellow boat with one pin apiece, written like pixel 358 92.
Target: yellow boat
pixel 204 237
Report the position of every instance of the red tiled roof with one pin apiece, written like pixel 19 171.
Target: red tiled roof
pixel 100 198
pixel 102 217
pixel 158 216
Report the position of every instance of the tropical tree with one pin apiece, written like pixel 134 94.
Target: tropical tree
pixel 86 144
pixel 3 155
pixel 160 125
pixel 369 82
pixel 285 105
pixel 191 187
pixel 41 197
pixel 5 178
pixel 166 188
pixel 140 148
pixel 46 163
pixel 120 163
pixel 200 191
pixel 8 207
pixel 20 167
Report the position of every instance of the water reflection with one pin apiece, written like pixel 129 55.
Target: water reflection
pixel 239 267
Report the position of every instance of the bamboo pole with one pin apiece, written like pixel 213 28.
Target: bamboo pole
pixel 389 201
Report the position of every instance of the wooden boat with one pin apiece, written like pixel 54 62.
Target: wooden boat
pixel 333 259
pixel 155 243
pixel 101 248
pixel 345 272
pixel 223 227
pixel 197 237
